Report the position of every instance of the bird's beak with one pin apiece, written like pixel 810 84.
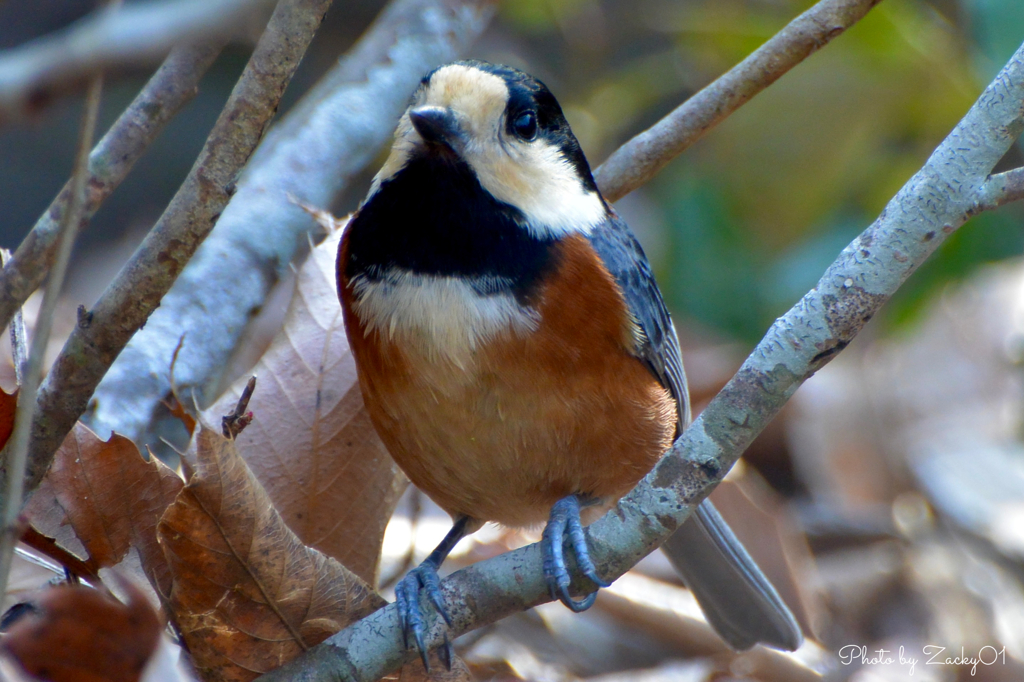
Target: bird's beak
pixel 436 125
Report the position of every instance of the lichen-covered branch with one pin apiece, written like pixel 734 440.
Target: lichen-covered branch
pixel 331 135
pixel 137 290
pixel 1001 189
pixel 171 87
pixel 136 35
pixel 929 208
pixel 640 159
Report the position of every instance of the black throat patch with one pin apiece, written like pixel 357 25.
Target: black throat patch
pixel 434 218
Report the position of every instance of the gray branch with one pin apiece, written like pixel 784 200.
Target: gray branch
pixel 139 34
pixel 171 87
pixel 1001 189
pixel 640 159
pixel 137 290
pixel 16 450
pixel 331 135
pixel 929 208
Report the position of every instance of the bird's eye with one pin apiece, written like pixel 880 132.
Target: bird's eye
pixel 525 125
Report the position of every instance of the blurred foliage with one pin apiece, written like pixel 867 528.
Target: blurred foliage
pixel 758 209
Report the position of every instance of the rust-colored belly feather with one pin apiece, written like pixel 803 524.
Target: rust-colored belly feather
pixel 531 417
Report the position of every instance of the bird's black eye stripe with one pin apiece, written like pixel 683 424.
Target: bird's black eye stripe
pixel 525 125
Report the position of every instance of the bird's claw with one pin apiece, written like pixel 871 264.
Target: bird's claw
pixel 565 522
pixel 410 614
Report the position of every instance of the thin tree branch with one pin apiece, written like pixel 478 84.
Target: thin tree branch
pixel 17 448
pixel 929 208
pixel 318 147
pixel 1001 189
pixel 19 344
pixel 136 291
pixel 172 86
pixel 640 159
pixel 140 34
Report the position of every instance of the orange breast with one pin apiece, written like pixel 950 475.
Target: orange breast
pixel 530 418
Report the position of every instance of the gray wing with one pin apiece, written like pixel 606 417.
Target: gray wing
pixel 734 594
pixel 659 346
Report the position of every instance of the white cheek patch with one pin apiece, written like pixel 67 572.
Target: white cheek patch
pixel 443 316
pixel 536 178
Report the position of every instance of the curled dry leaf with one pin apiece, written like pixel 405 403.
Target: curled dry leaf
pixel 79 634
pixel 8 406
pixel 247 595
pixel 312 445
pixel 105 496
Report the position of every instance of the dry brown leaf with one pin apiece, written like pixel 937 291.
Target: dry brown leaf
pixel 245 588
pixel 109 497
pixel 312 445
pixel 80 634
pixel 8 406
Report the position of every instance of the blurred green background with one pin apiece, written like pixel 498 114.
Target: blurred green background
pixel 738 228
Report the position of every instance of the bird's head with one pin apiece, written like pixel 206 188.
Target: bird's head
pixel 509 130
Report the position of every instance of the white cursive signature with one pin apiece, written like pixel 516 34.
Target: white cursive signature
pixel 858 654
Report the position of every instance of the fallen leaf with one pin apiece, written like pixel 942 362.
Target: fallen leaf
pixel 312 445
pixel 79 634
pixel 247 595
pixel 8 406
pixel 101 497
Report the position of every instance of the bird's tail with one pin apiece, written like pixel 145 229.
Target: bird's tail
pixel 736 597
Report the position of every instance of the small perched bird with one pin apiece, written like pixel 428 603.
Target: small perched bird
pixel 513 349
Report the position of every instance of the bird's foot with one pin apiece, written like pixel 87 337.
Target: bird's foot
pixel 410 613
pixel 565 522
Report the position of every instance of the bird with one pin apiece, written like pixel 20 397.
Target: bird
pixel 513 349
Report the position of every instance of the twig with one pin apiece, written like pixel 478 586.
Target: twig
pixel 937 200
pixel 1001 189
pixel 233 424
pixel 327 139
pixel 136 291
pixel 17 448
pixel 140 34
pixel 19 342
pixel 640 159
pixel 171 87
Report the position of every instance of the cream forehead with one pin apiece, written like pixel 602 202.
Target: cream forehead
pixel 479 95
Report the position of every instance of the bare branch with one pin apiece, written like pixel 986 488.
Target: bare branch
pixel 1001 189
pixel 171 88
pixel 136 291
pixel 640 159
pixel 140 34
pixel 234 423
pixel 19 342
pixel 329 137
pixel 929 208
pixel 17 448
